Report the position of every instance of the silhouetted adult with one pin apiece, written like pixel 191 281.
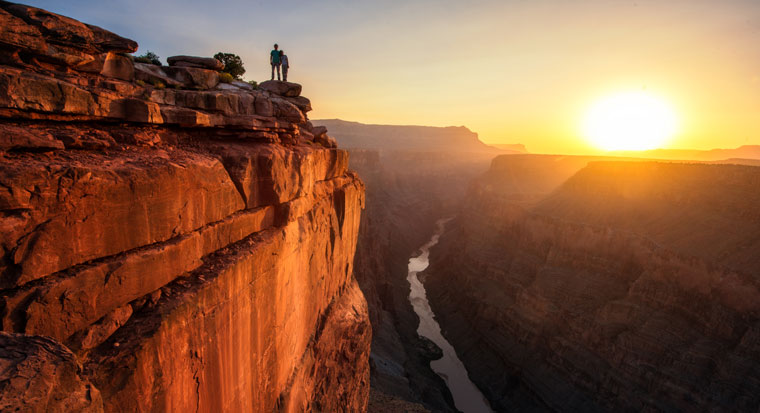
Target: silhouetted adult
pixel 285 65
pixel 274 60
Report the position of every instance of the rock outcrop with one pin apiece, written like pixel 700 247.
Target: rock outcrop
pixel 181 249
pixel 286 89
pixel 195 61
pixel 603 294
pixel 741 154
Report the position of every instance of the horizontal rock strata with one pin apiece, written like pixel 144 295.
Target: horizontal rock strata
pixel 182 247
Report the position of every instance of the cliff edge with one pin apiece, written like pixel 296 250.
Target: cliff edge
pixel 182 244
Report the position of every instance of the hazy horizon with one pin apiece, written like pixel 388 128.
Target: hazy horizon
pixel 514 72
pixel 528 149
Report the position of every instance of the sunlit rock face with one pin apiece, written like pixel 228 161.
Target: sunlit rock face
pixel 624 286
pixel 182 246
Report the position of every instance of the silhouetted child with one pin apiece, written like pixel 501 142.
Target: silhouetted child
pixel 285 65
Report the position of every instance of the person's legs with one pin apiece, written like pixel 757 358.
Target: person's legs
pixel 284 73
pixel 272 71
pixel 278 71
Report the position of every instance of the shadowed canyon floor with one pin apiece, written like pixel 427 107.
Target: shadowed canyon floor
pixel 466 395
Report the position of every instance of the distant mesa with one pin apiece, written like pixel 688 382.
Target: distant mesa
pixel 742 152
pixel 355 135
pixel 512 147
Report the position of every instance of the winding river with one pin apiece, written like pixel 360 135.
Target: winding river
pixel 467 397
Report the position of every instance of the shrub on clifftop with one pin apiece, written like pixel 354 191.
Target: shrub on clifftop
pixel 225 77
pixel 233 64
pixel 149 57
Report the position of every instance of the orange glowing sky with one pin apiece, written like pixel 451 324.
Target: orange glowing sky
pixel 515 71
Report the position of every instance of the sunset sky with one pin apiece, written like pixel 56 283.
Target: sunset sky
pixel 515 71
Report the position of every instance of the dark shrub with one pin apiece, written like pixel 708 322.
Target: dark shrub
pixel 149 57
pixel 233 64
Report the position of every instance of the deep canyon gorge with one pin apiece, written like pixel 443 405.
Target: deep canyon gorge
pixel 409 188
pixel 173 241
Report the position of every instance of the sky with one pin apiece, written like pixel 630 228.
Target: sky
pixel 514 71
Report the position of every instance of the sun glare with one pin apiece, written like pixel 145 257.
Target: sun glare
pixel 630 121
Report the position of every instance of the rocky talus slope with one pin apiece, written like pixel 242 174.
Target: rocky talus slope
pixel 630 286
pixel 169 243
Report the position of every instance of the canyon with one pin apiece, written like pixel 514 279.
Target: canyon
pixel 408 189
pixel 601 285
pixel 171 242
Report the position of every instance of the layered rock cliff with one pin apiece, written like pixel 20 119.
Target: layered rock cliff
pixel 169 243
pixel 604 295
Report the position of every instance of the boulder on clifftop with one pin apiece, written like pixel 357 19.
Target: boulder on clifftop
pixel 195 61
pixel 152 74
pixel 286 89
pixel 193 76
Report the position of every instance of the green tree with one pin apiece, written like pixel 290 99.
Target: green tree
pixel 149 57
pixel 233 64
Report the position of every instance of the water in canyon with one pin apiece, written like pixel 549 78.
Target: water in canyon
pixel 467 396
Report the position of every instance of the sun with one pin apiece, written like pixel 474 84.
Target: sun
pixel 632 121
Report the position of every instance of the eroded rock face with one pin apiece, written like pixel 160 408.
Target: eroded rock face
pixel 193 249
pixel 40 375
pixel 594 297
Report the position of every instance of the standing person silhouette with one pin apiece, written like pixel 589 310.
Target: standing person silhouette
pixel 274 60
pixel 285 65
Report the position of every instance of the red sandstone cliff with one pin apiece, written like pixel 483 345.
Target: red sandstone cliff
pixel 604 295
pixel 187 248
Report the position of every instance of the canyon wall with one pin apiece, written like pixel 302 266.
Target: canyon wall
pixel 628 286
pixel 170 242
